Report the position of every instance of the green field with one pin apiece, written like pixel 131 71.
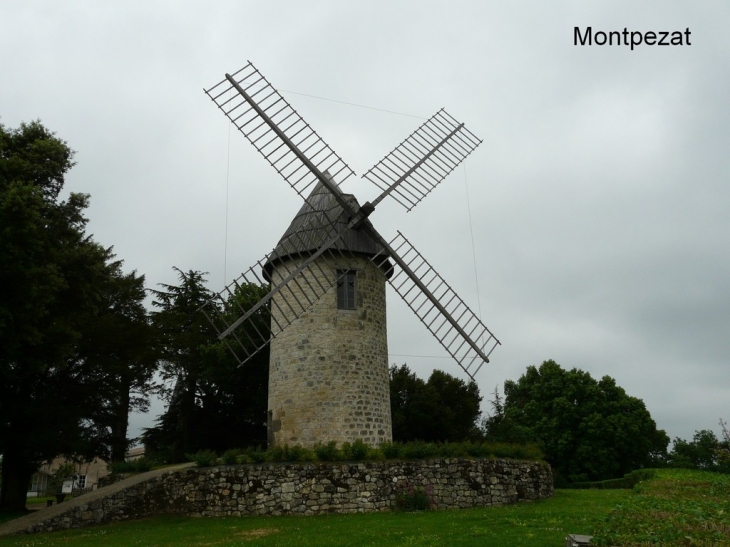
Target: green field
pixel 677 508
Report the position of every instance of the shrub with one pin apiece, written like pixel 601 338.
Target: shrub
pixel 140 465
pixel 244 458
pixel 230 457
pixel 299 454
pixel 628 481
pixel 327 452
pixel 121 467
pixel 640 475
pixel 358 450
pixel 454 450
pixel 419 450
pixel 204 458
pixel 278 453
pixel 391 451
pixel 516 451
pixel 414 498
pixel 478 450
pixel 290 454
pixel 257 455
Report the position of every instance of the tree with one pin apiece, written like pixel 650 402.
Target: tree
pixel 700 453
pixel 498 428
pixel 183 332
pixel 63 473
pixel 237 395
pixel 724 449
pixel 213 402
pixel 119 343
pixel 50 273
pixel 705 451
pixel 444 408
pixel 587 429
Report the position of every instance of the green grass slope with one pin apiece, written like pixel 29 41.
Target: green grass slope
pixel 678 507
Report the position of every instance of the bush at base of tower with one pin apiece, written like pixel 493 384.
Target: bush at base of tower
pixel 359 451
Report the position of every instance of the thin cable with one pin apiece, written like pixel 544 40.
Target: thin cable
pixel 354 104
pixel 423 356
pixel 473 251
pixel 228 171
pixel 260 86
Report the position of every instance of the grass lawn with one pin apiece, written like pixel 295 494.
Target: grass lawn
pixel 545 522
pixel 43 499
pixel 678 507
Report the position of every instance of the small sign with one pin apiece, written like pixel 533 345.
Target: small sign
pixel 577 540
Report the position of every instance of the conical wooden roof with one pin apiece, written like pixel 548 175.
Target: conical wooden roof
pixel 319 219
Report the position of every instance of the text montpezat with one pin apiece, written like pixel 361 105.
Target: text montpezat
pixel 631 38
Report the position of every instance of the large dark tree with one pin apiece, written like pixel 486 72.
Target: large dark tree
pixel 213 402
pixel 587 429
pixel 50 274
pixel 444 408
pixel 234 396
pixel 183 333
pixel 119 344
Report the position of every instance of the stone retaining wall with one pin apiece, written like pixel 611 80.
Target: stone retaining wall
pixel 312 488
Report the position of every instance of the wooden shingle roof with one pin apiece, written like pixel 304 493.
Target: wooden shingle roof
pixel 318 220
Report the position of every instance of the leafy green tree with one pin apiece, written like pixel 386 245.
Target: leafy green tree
pixel 496 427
pixel 700 453
pixel 705 451
pixel 412 409
pixel 50 274
pixel 588 429
pixel 63 473
pixel 444 408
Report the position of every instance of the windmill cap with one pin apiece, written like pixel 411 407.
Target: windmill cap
pixel 319 219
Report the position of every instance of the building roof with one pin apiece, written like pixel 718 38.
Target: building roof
pixel 318 220
pixel 136 451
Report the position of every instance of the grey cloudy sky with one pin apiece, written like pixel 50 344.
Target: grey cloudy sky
pixel 599 199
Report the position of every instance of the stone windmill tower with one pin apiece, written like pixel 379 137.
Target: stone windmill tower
pixel 328 376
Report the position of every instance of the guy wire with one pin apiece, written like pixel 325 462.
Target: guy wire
pixel 473 251
pixel 228 170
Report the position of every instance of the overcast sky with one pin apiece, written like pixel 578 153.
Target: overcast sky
pixel 599 201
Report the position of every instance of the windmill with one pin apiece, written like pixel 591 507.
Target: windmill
pixel 324 314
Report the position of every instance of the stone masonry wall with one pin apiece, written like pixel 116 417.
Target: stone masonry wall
pixel 313 488
pixel 328 374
